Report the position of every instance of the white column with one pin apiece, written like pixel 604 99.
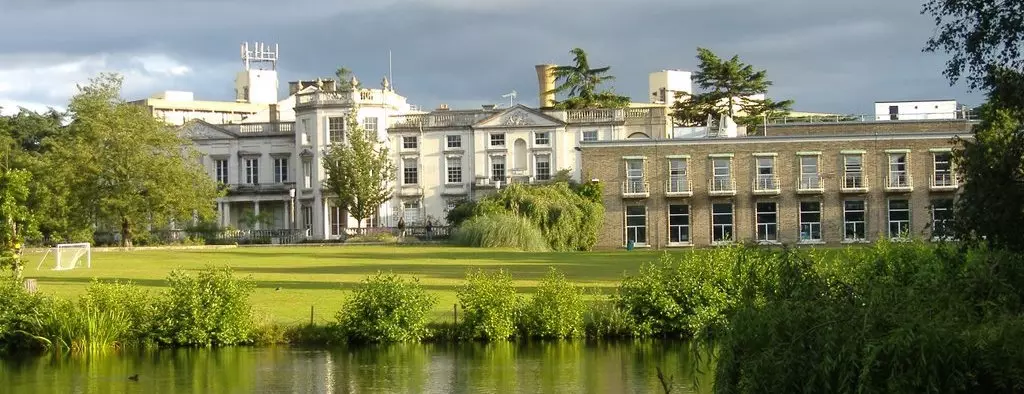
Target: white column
pixel 226 212
pixel 256 210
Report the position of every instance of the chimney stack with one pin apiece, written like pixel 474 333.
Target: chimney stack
pixel 546 83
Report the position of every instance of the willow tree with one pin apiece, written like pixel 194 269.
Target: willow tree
pixel 127 167
pixel 359 171
pixel 580 84
pixel 726 87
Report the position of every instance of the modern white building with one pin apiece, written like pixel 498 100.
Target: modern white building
pixel 918 110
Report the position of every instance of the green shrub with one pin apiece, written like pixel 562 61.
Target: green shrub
pixel 386 308
pixel 568 220
pixel 380 237
pixel 681 297
pixel 210 309
pixel 128 300
pixel 18 312
pixel 462 212
pixel 490 305
pixel 556 309
pixel 500 230
pixel 605 319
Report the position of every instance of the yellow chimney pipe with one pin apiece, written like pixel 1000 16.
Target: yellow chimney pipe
pixel 546 83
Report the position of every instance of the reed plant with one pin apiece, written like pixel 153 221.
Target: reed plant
pixel 501 230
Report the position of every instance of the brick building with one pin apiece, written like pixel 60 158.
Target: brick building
pixel 809 183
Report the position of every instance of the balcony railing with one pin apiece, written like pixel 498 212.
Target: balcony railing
pixel 260 188
pixel 261 128
pixel 766 184
pixel 722 186
pixel 410 190
pixel 678 186
pixel 854 183
pixel 440 119
pixel 633 188
pixel 899 182
pixel 810 183
pixel 595 115
pixel 944 181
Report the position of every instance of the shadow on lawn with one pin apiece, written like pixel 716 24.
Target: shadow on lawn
pixel 472 256
pixel 534 271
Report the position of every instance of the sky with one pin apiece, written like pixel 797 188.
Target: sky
pixel 827 56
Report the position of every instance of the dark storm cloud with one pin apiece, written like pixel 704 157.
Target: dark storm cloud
pixel 828 56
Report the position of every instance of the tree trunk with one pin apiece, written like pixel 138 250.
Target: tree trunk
pixel 126 232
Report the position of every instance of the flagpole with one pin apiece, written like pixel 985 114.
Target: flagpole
pixel 390 75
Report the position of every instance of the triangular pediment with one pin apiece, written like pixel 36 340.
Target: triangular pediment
pixel 519 116
pixel 201 130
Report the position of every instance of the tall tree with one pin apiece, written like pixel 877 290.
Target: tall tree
pixel 991 203
pixel 579 83
pixel 726 89
pixel 16 221
pixel 129 167
pixel 359 171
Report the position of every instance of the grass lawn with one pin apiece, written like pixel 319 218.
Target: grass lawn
pixel 292 279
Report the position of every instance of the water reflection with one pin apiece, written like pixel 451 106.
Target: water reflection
pixel 536 367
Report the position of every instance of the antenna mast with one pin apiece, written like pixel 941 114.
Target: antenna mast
pixel 260 54
pixel 391 77
pixel 511 98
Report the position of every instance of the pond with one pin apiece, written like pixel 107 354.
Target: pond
pixel 536 367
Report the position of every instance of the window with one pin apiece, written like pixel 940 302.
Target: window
pixel 942 218
pixel 854 220
pixel 307 217
pixel 541 138
pixel 809 175
pixel 767 216
pixel 634 176
pixel 498 139
pixel 409 142
pixel 636 224
pixel 454 141
pixel 678 224
pixel 898 170
pixel 721 222
pixel 899 218
pixel 721 174
pixel 335 220
pixel 281 170
pixel 335 129
pixel 498 168
pixel 590 135
pixel 411 211
pixel 765 173
pixel 370 124
pixel 543 167
pixel 677 181
pixel 252 171
pixel 305 132
pixel 853 171
pixel 221 171
pixel 410 173
pixel 810 221
pixel 943 169
pixel 454 169
pixel 307 174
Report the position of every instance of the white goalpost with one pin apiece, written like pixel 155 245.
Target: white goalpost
pixel 70 256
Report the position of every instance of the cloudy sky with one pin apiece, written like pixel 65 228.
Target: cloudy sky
pixel 827 55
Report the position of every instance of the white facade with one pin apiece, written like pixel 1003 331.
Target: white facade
pixel 665 84
pixel 444 157
pixel 917 110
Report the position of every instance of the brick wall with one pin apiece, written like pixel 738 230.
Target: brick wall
pixel 605 161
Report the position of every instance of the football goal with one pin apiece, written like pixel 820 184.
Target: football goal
pixel 69 256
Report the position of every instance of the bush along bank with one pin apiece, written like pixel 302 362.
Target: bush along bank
pixel 905 317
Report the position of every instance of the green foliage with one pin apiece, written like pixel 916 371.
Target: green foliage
pixel 490 305
pixel 978 35
pixel 386 308
pixel 579 83
pixel 556 309
pixel 500 230
pixel 683 296
pixel 378 237
pixel 128 300
pixel 568 220
pixel 209 309
pixel 18 222
pixel 605 319
pixel 462 211
pixel 359 171
pixel 892 318
pixel 592 191
pixel 126 168
pixel 250 219
pixel 992 160
pixel 18 311
pixel 727 86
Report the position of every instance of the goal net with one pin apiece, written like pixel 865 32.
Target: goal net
pixel 70 256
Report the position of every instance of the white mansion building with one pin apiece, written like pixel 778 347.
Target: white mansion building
pixel 267 152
